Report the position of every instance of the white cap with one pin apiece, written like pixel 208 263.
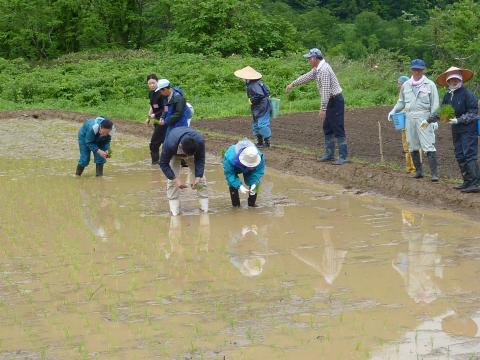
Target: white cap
pixel 250 157
pixel 163 83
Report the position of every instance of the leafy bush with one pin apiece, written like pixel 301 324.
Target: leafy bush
pixel 113 83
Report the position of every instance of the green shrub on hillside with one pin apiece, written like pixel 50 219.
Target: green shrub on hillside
pixel 113 83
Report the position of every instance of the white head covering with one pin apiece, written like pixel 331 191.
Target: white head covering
pixel 250 157
pixel 162 83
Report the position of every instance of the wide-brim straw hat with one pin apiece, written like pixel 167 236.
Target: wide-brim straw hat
pixel 466 75
pixel 248 73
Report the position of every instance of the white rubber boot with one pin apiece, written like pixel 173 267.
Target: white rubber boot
pixel 204 204
pixel 174 207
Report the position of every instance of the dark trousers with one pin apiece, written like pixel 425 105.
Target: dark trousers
pixel 465 142
pixel 334 119
pixel 158 137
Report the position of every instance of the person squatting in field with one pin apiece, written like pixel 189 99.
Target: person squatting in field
pixel 157 103
pixel 464 125
pixel 332 105
pixel 259 98
pixel 94 136
pixel 419 99
pixel 183 143
pixel 243 158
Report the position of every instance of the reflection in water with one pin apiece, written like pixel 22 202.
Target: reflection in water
pixel 200 238
pixel 328 262
pixel 446 336
pixel 248 249
pixel 422 264
pixel 224 284
pixel 98 212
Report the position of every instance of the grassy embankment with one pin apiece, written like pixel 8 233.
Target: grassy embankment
pixel 113 83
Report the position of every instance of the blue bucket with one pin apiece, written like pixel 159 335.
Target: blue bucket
pixel 478 126
pixel 275 102
pixel 399 120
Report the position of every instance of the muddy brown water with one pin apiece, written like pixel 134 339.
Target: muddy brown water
pixel 96 268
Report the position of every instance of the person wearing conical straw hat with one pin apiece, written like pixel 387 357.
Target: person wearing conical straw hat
pixel 419 100
pixel 464 125
pixel 258 96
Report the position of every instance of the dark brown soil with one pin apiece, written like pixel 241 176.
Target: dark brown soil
pixel 303 131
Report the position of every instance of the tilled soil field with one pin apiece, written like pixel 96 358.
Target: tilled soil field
pixel 304 131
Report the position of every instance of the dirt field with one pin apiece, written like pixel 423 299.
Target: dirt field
pixel 303 131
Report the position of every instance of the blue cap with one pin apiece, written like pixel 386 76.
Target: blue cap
pixel 403 79
pixel 313 52
pixel 417 64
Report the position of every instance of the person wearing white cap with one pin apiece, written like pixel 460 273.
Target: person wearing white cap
pixel 464 130
pixel 243 158
pixel 177 113
pixel 332 105
pixel 259 98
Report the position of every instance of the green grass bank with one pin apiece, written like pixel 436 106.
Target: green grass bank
pixel 113 83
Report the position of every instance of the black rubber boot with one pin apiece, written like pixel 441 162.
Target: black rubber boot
pixel 266 142
pixel 99 169
pixel 234 197
pixel 432 163
pixel 155 154
pixel 79 170
pixel 259 141
pixel 463 170
pixel 473 174
pixel 418 164
pixel 251 200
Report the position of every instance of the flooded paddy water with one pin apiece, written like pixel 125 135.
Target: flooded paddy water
pixel 96 268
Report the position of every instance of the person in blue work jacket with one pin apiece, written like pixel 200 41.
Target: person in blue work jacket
pixel 259 98
pixel 243 158
pixel 177 113
pixel 94 136
pixel 464 125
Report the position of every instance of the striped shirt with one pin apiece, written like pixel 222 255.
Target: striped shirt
pixel 327 82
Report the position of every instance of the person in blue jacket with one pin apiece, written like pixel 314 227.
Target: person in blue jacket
pixel 243 158
pixel 259 98
pixel 94 136
pixel 183 143
pixel 177 112
pixel 464 125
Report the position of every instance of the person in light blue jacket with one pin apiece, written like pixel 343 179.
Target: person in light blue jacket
pixel 94 136
pixel 243 158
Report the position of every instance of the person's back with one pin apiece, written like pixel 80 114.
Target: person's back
pixel 184 143
pixel 243 158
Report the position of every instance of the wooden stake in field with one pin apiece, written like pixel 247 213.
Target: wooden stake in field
pixel 380 141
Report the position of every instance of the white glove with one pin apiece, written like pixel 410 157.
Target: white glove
pixel 435 126
pixel 253 190
pixel 390 114
pixel 424 124
pixel 243 189
pixel 453 121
